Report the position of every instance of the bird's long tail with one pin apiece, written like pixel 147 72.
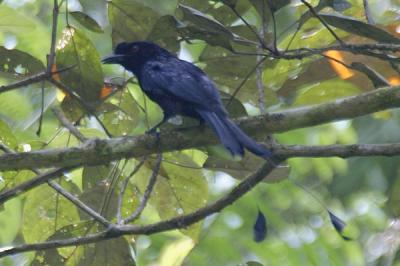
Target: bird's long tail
pixel 231 136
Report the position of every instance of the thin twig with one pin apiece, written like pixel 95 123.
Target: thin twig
pixel 52 54
pixel 79 204
pixel 368 14
pixel 68 125
pixel 25 82
pixel 39 130
pixel 147 193
pixel 259 69
pixel 32 79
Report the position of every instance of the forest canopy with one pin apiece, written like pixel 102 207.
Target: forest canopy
pixel 316 82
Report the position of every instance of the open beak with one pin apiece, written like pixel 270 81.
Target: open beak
pixel 113 59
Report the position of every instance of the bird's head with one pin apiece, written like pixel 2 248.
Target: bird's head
pixel 132 55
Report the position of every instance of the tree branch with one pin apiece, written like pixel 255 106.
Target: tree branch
pixel 68 125
pixel 342 151
pixel 96 151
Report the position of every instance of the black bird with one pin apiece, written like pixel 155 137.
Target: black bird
pixel 181 88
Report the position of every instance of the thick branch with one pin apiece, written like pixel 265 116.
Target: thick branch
pixel 342 151
pixel 95 152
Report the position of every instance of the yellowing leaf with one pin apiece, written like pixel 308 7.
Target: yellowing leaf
pixel 175 252
pixel 341 70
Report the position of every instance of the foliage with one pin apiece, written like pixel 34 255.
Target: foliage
pixel 361 191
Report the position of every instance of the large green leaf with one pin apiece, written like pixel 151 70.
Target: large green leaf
pixel 86 77
pixel 73 254
pixel 181 187
pixel 10 220
pixel 6 136
pixel 358 27
pixel 325 91
pixel 45 211
pixel 264 7
pixel 143 20
pixel 109 252
pixel 201 26
pixel 12 21
pixel 123 114
pixel 17 62
pixel 218 65
pixel 86 21
pixel 95 9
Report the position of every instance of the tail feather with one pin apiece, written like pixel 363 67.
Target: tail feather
pixel 246 141
pixel 227 138
pixel 231 136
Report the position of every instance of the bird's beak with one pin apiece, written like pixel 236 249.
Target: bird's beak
pixel 113 59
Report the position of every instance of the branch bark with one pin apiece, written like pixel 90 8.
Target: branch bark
pixel 102 151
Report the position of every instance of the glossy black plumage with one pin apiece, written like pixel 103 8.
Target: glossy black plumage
pixel 181 88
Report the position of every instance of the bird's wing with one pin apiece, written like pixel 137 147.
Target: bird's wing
pixel 183 80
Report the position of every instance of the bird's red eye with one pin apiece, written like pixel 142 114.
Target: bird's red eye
pixel 134 49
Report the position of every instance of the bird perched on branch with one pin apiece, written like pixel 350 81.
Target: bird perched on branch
pixel 181 88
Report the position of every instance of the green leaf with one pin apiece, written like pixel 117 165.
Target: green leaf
pixel 143 20
pixel 17 62
pixel 124 117
pixel 325 91
pixel 29 107
pixel 93 175
pixel 58 256
pixel 10 220
pixel 109 252
pixel 278 72
pixel 86 21
pixel 234 107
pixel 165 33
pixel 218 65
pixel 45 211
pixel 101 198
pixel 268 5
pixel 86 77
pixel 13 21
pixel 174 254
pixel 201 26
pixel 358 27
pixel 12 112
pixel 180 189
pixel 95 9
pixel 6 136
pixel 161 7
